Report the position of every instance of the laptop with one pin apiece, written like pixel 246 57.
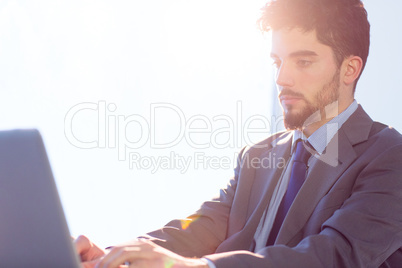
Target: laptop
pixel 33 228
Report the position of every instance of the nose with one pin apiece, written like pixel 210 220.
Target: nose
pixel 284 77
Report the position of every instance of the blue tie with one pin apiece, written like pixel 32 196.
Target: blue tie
pixel 297 177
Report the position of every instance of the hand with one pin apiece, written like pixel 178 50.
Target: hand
pixel 145 254
pixel 89 253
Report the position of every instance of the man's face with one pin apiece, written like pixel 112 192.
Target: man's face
pixel 307 75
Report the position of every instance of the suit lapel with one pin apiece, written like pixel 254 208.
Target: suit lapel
pixel 256 198
pixel 322 176
pixel 324 172
pixel 271 166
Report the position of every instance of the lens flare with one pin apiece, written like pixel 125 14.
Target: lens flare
pixel 185 223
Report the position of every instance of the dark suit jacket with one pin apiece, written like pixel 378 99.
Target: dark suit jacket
pixel 348 213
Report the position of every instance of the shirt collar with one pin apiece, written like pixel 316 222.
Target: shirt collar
pixel 322 136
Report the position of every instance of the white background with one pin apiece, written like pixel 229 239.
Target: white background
pixel 206 58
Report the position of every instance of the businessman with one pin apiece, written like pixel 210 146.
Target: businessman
pixel 338 200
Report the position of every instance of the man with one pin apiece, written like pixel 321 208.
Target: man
pixel 338 200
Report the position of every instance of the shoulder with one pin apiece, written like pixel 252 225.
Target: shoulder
pixel 382 148
pixel 382 131
pixel 362 131
pixel 268 143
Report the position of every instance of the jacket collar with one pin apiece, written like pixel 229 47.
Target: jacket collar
pixel 325 170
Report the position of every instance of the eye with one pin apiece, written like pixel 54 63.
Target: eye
pixel 304 63
pixel 276 63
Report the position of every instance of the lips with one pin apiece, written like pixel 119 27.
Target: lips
pixel 288 99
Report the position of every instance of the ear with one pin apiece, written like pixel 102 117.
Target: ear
pixel 352 68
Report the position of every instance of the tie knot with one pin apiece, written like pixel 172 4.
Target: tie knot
pixel 301 154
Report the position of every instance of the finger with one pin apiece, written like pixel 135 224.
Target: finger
pixel 89 264
pixel 82 244
pixel 120 255
pixel 87 250
pixel 149 264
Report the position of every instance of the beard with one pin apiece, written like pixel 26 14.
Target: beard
pixel 313 111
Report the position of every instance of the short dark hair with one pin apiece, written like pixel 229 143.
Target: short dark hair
pixel 340 24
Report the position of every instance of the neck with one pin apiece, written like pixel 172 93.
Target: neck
pixel 323 116
pixel 310 129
